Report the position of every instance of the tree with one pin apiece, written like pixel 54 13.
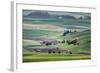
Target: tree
pixel 65 32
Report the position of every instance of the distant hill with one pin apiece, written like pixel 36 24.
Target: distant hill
pixel 47 15
pixel 38 15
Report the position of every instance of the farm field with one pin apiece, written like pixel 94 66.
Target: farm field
pixel 56 37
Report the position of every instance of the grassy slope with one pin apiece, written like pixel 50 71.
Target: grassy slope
pixel 84 39
pixel 62 23
pixel 36 33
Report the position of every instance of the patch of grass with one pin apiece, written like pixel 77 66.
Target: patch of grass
pixel 36 33
pixel 30 42
pixel 39 57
